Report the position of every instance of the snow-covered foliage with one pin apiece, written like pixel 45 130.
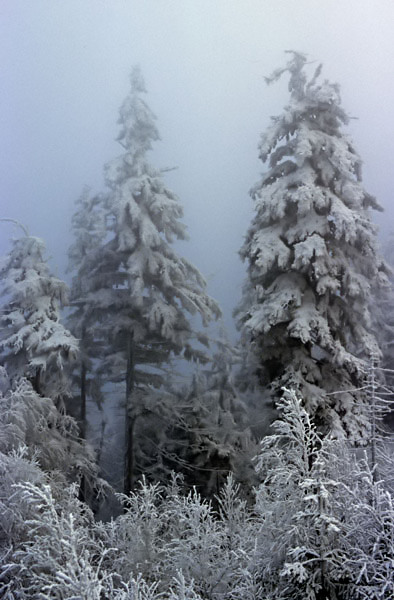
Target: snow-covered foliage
pixel 33 422
pixel 320 527
pixel 312 258
pixel 326 521
pixel 33 341
pixel 50 545
pixel 303 533
pixel 369 535
pixel 39 450
pixel 165 545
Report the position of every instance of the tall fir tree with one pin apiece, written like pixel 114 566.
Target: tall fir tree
pixel 144 289
pixel 312 258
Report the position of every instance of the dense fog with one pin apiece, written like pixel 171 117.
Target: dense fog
pixel 65 72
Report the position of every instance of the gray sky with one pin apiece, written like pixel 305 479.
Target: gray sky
pixel 64 73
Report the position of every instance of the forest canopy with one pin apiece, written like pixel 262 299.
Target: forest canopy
pixel 145 456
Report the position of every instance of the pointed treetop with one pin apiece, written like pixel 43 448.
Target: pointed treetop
pixel 298 78
pixel 137 80
pixel 137 132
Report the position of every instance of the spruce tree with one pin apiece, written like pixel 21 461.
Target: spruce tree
pixel 33 342
pixel 144 289
pixel 312 258
pixel 89 232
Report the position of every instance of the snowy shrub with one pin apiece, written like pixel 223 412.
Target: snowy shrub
pixel 50 436
pixel 15 467
pixel 321 527
pixel 300 538
pixel 60 557
pixel 162 533
pixel 167 536
pixel 195 544
pixel 139 533
pixel 369 536
pixel 182 590
pixel 137 589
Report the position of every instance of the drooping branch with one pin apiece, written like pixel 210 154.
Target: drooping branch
pixel 17 223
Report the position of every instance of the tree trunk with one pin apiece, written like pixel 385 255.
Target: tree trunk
pixel 323 595
pixel 82 428
pixel 129 419
pixel 82 414
pixel 375 475
pixel 36 382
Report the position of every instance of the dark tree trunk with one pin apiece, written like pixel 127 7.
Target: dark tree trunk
pixel 129 420
pixel 82 414
pixel 36 381
pixel 82 426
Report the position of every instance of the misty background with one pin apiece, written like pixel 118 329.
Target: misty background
pixel 65 71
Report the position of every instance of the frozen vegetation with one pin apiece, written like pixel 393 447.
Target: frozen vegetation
pixel 123 478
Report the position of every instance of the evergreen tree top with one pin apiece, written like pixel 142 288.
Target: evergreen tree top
pixel 137 129
pixel 26 274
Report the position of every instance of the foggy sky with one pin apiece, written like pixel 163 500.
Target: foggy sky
pixel 64 67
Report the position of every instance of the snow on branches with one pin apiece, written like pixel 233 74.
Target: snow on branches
pixel 33 341
pixel 311 254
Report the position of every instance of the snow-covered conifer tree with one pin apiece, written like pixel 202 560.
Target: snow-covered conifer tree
pixel 33 341
pixel 89 230
pixel 144 288
pixel 312 258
